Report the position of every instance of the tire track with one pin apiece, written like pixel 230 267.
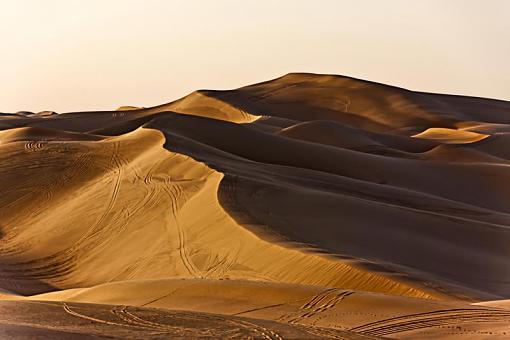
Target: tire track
pixel 416 326
pixel 34 146
pixel 454 320
pixel 317 298
pixel 68 310
pixel 182 324
pixel 174 192
pixel 117 182
pixel 118 166
pixel 152 191
pixel 318 304
pixel 61 175
pixel 219 268
pixel 118 173
pixel 122 313
pixel 431 319
pixel 125 315
pixel 330 333
pixel 61 263
pixel 264 332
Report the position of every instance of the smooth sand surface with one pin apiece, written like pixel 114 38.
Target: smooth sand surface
pixel 306 201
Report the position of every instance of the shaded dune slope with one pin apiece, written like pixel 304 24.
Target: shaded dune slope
pixel 306 180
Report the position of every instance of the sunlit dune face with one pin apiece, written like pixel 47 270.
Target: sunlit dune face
pixel 451 136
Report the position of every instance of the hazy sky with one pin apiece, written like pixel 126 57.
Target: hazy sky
pixel 67 55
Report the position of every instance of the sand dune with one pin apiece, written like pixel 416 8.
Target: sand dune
pixel 451 136
pixel 320 204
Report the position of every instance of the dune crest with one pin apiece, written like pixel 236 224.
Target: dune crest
pixel 451 136
pixel 128 108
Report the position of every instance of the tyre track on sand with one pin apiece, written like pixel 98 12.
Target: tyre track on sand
pixel 446 321
pixel 95 229
pixel 150 194
pixel 61 263
pixel 62 173
pixel 432 319
pixel 175 192
pixel 126 316
pixel 332 333
pixel 34 146
pixel 117 164
pixel 68 310
pixel 119 170
pixel 221 267
pixel 264 332
pixel 318 304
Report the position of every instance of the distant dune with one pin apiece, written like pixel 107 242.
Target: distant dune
pixel 309 206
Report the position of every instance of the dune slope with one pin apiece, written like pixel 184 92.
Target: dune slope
pixel 307 183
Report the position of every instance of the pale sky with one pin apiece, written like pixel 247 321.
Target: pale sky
pixel 70 55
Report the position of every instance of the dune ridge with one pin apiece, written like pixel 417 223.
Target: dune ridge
pixel 143 176
pixel 306 185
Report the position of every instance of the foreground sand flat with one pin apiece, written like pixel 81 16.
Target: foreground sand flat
pixel 88 321
pixel 345 206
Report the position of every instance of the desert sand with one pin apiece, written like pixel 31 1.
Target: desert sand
pixel 308 206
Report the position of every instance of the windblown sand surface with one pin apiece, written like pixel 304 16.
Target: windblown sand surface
pixel 309 206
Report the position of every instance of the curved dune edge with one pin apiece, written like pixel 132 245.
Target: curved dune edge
pixel 118 227
pixel 201 104
pixel 451 136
